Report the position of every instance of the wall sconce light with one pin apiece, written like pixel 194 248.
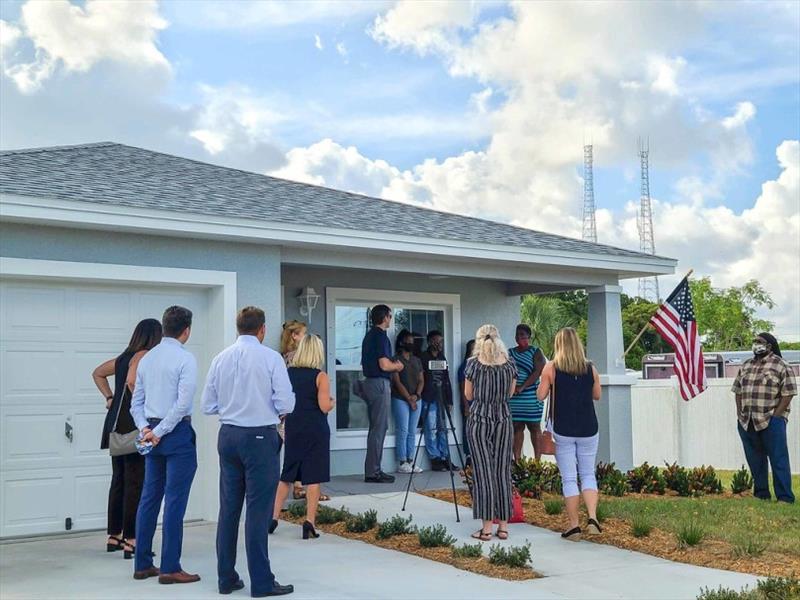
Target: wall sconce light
pixel 307 300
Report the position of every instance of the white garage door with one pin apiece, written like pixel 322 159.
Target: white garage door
pixel 53 476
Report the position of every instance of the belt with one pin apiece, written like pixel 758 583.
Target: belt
pixel 157 421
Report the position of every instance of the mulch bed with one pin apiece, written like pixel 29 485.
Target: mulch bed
pixel 717 554
pixel 410 545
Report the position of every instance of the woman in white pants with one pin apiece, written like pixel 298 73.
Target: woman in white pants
pixel 573 385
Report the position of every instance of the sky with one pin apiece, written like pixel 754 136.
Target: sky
pixel 479 108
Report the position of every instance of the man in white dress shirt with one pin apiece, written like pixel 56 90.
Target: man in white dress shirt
pixel 161 407
pixel 249 388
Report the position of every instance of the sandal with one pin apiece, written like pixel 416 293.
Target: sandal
pixel 324 498
pixel 482 535
pixel 594 527
pixel 298 493
pixel 117 545
pixel 130 549
pixel 502 534
pixel 573 535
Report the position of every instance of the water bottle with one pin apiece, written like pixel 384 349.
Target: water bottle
pixel 143 447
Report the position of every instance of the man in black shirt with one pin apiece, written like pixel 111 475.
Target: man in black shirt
pixel 437 387
pixel 377 365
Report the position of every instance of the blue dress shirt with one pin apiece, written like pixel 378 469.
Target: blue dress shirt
pixel 166 379
pixel 248 385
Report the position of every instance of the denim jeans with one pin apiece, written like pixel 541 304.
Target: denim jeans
pixel 576 456
pixel 435 432
pixel 769 443
pixel 405 427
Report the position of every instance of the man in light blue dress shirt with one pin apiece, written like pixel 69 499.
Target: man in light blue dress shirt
pixel 249 388
pixel 161 407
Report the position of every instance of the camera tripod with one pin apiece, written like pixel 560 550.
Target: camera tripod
pixel 443 410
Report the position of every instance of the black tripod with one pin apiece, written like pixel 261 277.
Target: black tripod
pixel 443 410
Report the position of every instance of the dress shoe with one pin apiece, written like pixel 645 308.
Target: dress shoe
pixel 273 526
pixel 146 573
pixel 379 478
pixel 229 590
pixel 437 464
pixel 277 590
pixel 179 577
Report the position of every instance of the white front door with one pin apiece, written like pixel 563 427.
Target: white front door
pixel 53 475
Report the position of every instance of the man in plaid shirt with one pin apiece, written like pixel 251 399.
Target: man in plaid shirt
pixel 764 387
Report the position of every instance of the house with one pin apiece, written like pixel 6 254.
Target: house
pixel 95 237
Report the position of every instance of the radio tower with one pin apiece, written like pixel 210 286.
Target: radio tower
pixel 648 286
pixel 589 224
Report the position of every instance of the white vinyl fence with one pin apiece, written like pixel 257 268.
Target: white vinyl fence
pixel 700 432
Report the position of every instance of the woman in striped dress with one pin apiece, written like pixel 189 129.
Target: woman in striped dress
pixel 490 378
pixel 526 409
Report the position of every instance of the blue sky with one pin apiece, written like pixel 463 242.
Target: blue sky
pixel 473 107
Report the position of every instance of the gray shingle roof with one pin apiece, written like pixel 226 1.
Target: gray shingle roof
pixel 116 174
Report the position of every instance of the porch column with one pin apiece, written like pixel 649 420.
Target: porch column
pixel 604 349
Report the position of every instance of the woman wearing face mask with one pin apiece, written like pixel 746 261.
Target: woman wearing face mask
pixel 526 409
pixel 406 401
pixel 764 387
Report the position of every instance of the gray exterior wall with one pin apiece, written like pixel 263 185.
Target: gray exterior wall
pixel 257 266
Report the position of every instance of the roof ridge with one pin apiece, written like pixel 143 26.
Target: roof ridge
pixel 58 148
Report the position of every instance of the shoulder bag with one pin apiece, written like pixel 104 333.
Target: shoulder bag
pixel 120 444
pixel 545 438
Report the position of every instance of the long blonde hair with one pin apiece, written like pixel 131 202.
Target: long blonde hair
pixel 568 354
pixel 287 341
pixel 310 353
pixel 489 348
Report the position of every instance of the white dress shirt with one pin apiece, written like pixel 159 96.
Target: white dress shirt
pixel 166 379
pixel 248 385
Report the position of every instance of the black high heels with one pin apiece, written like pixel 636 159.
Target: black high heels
pixel 116 546
pixel 309 531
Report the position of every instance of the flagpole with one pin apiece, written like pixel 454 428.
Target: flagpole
pixel 646 325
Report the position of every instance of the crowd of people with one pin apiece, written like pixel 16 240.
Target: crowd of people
pixel 268 400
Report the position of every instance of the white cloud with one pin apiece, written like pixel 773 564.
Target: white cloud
pixel 341 49
pixel 318 42
pixel 423 26
pixel 76 38
pixel 665 74
pixel 745 111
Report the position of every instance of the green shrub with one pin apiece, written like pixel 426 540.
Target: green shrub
pixel 534 477
pixel 327 515
pixel 553 507
pixel 705 481
pixel 772 588
pixel 641 526
pixel 610 480
pixel 741 481
pixel 434 537
pixel 296 510
pixel 690 533
pixel 646 479
pixel 751 545
pixel 361 522
pixel 677 479
pixel 397 525
pixel 516 557
pixel 723 593
pixel 468 551
pixel 603 512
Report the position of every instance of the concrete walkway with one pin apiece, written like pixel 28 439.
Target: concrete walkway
pixel 76 566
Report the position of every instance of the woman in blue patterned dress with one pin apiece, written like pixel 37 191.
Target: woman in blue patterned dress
pixel 526 409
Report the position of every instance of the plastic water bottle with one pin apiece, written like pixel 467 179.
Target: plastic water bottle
pixel 143 447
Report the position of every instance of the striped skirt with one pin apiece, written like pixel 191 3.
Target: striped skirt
pixel 490 444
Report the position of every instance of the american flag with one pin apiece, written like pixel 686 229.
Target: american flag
pixel 674 321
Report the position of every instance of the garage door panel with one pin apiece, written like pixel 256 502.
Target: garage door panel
pixel 34 312
pixel 31 373
pixel 91 500
pixel 86 361
pixel 86 441
pixel 153 303
pixel 34 439
pixel 106 312
pixel 34 503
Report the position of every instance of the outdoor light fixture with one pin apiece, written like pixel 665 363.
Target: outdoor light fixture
pixel 307 300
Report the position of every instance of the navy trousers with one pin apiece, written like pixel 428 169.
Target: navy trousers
pixel 169 469
pixel 248 470
pixel 769 443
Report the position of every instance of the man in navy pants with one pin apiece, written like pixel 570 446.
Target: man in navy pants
pixel 161 407
pixel 249 388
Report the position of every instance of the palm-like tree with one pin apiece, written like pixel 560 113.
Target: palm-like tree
pixel 545 315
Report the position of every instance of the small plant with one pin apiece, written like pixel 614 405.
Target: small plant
pixel 534 477
pixel 603 512
pixel 772 588
pixel 689 534
pixel 435 536
pixel 327 515
pixel 468 551
pixel 646 479
pixel 749 546
pixel 610 480
pixel 641 526
pixel 397 525
pixel 516 557
pixel 296 510
pixel 742 481
pixel 361 522
pixel 704 480
pixel 553 507
pixel 677 479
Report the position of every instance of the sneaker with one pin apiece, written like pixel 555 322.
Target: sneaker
pixel 379 478
pixel 405 467
pixel 437 464
pixel 416 469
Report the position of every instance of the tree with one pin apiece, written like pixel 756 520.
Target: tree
pixel 546 315
pixel 636 313
pixel 726 316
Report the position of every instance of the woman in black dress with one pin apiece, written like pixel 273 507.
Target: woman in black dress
pixel 307 453
pixel 128 470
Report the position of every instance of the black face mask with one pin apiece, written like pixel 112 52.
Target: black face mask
pixel 406 347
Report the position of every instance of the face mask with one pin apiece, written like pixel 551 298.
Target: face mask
pixel 759 349
pixel 407 347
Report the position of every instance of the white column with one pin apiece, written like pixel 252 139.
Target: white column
pixel 604 349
